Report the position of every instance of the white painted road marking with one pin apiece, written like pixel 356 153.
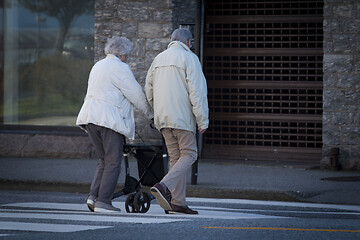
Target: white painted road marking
pixel 155 211
pixel 275 203
pixel 78 214
pixel 208 213
pixel 47 205
pixel 88 218
pixel 276 211
pixel 43 227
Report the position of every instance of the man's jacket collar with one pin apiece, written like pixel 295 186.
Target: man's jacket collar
pixel 174 43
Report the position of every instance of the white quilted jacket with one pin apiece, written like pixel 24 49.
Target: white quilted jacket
pixel 111 95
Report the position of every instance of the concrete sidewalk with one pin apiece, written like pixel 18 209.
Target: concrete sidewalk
pixel 217 179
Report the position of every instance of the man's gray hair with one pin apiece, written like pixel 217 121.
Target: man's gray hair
pixel 181 34
pixel 118 46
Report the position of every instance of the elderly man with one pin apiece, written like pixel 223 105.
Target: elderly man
pixel 176 89
pixel 107 115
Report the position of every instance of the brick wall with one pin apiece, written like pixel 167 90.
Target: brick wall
pixel 44 146
pixel 341 117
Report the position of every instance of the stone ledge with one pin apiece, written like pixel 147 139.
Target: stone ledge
pixel 36 145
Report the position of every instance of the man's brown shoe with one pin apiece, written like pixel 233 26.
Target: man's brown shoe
pixel 160 194
pixel 182 209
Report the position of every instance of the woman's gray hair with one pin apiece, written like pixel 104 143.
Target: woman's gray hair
pixel 118 46
pixel 181 34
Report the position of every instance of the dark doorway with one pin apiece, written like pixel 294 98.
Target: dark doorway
pixel 263 63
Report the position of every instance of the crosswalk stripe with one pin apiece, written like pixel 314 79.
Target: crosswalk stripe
pixel 275 211
pixel 88 218
pixel 50 205
pixel 44 227
pixel 79 218
pixel 286 229
pixel 154 211
pixel 275 203
pixel 75 212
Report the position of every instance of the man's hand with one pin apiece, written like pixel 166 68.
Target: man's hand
pixel 201 130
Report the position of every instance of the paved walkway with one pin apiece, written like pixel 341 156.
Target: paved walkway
pixel 248 180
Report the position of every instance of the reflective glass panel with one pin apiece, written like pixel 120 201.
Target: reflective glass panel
pixel 46 52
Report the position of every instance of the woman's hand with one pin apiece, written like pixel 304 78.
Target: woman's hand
pixel 201 130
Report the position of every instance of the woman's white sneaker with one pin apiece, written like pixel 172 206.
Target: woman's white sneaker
pixel 91 202
pixel 101 207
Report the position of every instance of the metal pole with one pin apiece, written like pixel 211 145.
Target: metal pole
pixel 199 51
pixel 194 167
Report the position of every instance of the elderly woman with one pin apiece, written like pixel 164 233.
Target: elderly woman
pixel 107 115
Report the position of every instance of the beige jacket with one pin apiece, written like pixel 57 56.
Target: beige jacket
pixel 176 89
pixel 111 96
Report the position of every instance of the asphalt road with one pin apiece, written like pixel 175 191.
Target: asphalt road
pixel 54 215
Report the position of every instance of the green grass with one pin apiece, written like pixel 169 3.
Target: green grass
pixel 52 105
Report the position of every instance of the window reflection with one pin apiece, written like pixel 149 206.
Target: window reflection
pixel 48 53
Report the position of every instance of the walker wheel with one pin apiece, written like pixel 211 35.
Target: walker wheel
pixel 142 202
pixel 129 203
